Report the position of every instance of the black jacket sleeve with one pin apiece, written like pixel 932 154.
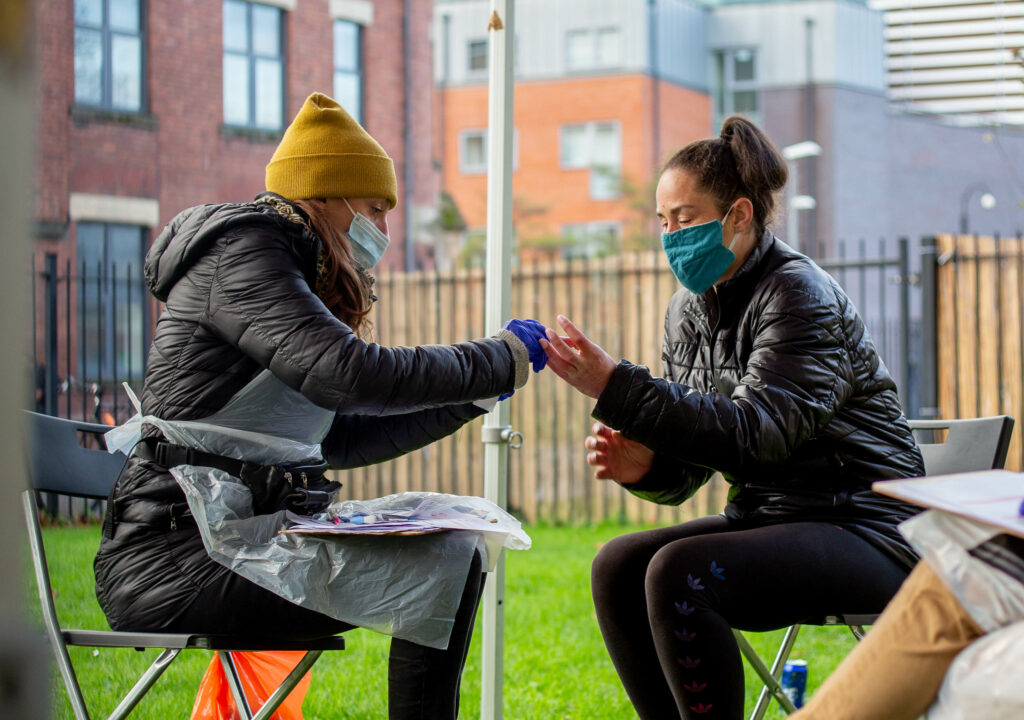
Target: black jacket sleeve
pixel 358 440
pixel 670 481
pixel 262 304
pixel 796 377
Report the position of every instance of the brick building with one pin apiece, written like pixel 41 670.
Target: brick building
pixel 145 108
pixel 604 89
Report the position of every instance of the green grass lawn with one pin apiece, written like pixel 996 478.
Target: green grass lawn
pixel 555 662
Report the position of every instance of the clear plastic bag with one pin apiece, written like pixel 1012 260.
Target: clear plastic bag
pixel 986 680
pixel 497 527
pixel 405 586
pixel 991 597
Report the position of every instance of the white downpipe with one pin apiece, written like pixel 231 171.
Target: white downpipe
pixel 498 281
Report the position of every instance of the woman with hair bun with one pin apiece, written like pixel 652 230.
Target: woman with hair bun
pixel 772 380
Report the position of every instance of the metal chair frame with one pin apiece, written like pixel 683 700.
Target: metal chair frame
pixel 971 444
pixel 59 463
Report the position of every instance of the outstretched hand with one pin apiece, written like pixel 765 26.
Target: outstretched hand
pixel 614 457
pixel 577 360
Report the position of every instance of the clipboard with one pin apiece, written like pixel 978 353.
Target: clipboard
pixel 992 497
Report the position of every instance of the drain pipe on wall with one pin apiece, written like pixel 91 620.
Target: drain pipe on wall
pixel 409 170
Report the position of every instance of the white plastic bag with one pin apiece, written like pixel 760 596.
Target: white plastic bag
pixel 986 680
pixel 405 586
pixel 991 597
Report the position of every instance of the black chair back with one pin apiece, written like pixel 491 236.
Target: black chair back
pixel 69 457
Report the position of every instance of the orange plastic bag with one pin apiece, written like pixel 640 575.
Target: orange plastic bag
pixel 260 673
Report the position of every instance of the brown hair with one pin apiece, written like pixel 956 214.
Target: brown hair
pixel 740 162
pixel 342 288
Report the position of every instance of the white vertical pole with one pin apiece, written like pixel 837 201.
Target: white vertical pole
pixel 792 214
pixel 499 245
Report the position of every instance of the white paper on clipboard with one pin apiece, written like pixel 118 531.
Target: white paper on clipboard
pixel 992 497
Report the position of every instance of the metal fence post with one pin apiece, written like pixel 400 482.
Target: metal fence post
pixel 50 341
pixel 907 391
pixel 929 382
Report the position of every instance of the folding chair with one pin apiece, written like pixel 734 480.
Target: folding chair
pixel 59 463
pixel 970 444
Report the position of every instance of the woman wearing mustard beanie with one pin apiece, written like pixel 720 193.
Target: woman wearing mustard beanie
pixel 259 374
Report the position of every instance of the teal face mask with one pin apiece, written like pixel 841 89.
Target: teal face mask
pixel 367 241
pixel 696 254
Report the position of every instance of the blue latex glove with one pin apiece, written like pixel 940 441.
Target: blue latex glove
pixel 530 332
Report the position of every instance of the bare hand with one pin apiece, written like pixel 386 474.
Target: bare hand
pixel 581 363
pixel 616 458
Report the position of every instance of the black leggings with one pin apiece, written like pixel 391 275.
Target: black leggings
pixel 423 682
pixel 667 601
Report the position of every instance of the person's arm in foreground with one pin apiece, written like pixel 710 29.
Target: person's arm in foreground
pixel 896 671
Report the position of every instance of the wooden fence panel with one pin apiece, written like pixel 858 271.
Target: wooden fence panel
pixel 619 302
pixel 980 318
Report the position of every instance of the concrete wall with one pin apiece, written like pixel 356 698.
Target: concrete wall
pixel 887 174
pixel 542 26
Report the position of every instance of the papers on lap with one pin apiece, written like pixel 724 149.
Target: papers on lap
pixel 992 497
pixel 411 514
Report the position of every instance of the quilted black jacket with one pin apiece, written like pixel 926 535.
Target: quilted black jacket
pixel 772 380
pixel 237 282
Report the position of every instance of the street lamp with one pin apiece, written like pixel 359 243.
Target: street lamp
pixel 987 202
pixel 796 203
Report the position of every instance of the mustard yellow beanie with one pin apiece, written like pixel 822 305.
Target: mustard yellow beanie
pixel 326 153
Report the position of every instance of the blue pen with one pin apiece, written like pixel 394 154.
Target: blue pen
pixel 1021 511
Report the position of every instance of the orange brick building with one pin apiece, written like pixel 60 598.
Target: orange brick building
pixel 592 122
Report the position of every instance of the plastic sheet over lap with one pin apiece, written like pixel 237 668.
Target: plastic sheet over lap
pixel 405 586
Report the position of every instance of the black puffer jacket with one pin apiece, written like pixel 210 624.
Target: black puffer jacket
pixel 773 381
pixel 237 281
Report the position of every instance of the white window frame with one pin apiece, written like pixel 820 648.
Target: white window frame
pixel 726 85
pixel 593 60
pixel 589 164
pixel 481 168
pixel 469 56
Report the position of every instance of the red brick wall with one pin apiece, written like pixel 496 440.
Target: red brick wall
pixel 185 159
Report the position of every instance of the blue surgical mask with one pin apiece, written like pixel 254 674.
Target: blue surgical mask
pixel 697 254
pixel 367 241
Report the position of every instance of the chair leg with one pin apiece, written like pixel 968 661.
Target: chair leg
pixel 289 683
pixel 770 677
pixel 277 697
pixel 152 674
pixel 235 683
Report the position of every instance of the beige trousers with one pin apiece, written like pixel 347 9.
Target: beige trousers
pixel 896 671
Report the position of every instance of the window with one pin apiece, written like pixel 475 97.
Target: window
pixel 736 90
pixel 589 49
pixel 108 54
pixel 473 151
pixel 112 318
pixel 609 47
pixel 253 66
pixel 477 52
pixel 348 67
pixel 587 240
pixel 595 146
